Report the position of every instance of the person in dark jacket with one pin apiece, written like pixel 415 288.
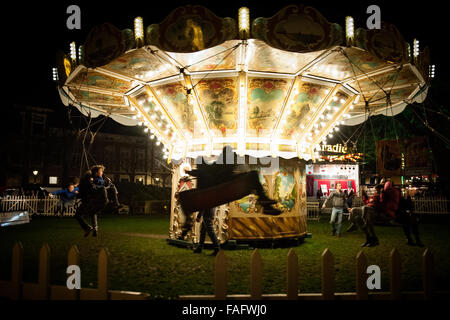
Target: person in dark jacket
pixel 350 197
pixel 66 198
pixel 93 201
pixel 339 203
pixel 364 217
pixel 405 216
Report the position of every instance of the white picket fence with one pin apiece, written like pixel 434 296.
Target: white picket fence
pixel 430 205
pixel 426 205
pixel 47 206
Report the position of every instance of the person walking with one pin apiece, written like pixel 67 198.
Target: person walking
pixel 207 227
pixel 339 202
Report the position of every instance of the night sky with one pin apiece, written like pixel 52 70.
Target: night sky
pixel 34 31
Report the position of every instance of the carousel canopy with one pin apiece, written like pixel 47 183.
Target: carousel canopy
pixel 197 82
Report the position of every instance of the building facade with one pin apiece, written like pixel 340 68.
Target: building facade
pixel 39 148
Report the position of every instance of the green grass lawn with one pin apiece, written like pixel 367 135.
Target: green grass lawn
pixel 152 266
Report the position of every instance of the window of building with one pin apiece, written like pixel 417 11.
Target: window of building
pixel 124 159
pixel 53 180
pixel 139 179
pixel 140 160
pixel 124 178
pixel 38 124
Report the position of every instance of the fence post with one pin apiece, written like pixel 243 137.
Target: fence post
pixel 395 263
pixel 361 276
pixel 255 275
pixel 292 275
pixel 16 271
pixel 427 259
pixel 327 275
pixel 40 290
pixel 220 276
pixel 103 259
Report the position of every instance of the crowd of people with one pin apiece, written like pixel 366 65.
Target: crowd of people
pixel 387 206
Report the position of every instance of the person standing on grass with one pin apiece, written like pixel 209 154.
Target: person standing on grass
pixel 339 202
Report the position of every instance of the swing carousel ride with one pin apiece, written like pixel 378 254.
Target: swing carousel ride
pixel 271 88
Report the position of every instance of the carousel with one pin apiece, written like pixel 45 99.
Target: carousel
pixel 273 89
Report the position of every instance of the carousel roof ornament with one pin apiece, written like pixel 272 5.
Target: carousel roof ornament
pixel 273 86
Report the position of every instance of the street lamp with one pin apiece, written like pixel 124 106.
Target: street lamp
pixel 35 173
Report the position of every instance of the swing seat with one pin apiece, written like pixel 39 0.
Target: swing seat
pixel 234 189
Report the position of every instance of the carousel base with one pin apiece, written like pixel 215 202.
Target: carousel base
pixel 245 244
pixel 228 245
pixel 242 218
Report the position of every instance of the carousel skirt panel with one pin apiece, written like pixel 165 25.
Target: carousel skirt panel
pixel 266 227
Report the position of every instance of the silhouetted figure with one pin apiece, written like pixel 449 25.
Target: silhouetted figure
pixel 93 200
pixel 210 177
pixel 408 220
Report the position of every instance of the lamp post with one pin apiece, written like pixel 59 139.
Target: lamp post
pixel 35 173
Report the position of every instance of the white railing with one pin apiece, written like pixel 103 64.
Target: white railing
pixel 313 210
pixel 436 204
pixel 47 206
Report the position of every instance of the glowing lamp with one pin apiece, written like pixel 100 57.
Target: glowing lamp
pixel 416 48
pixel 349 30
pixel 73 51
pixel 55 74
pixel 139 31
pixel 80 53
pixel 431 71
pixel 244 23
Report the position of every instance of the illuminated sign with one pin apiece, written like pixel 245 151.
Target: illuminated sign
pixel 337 148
